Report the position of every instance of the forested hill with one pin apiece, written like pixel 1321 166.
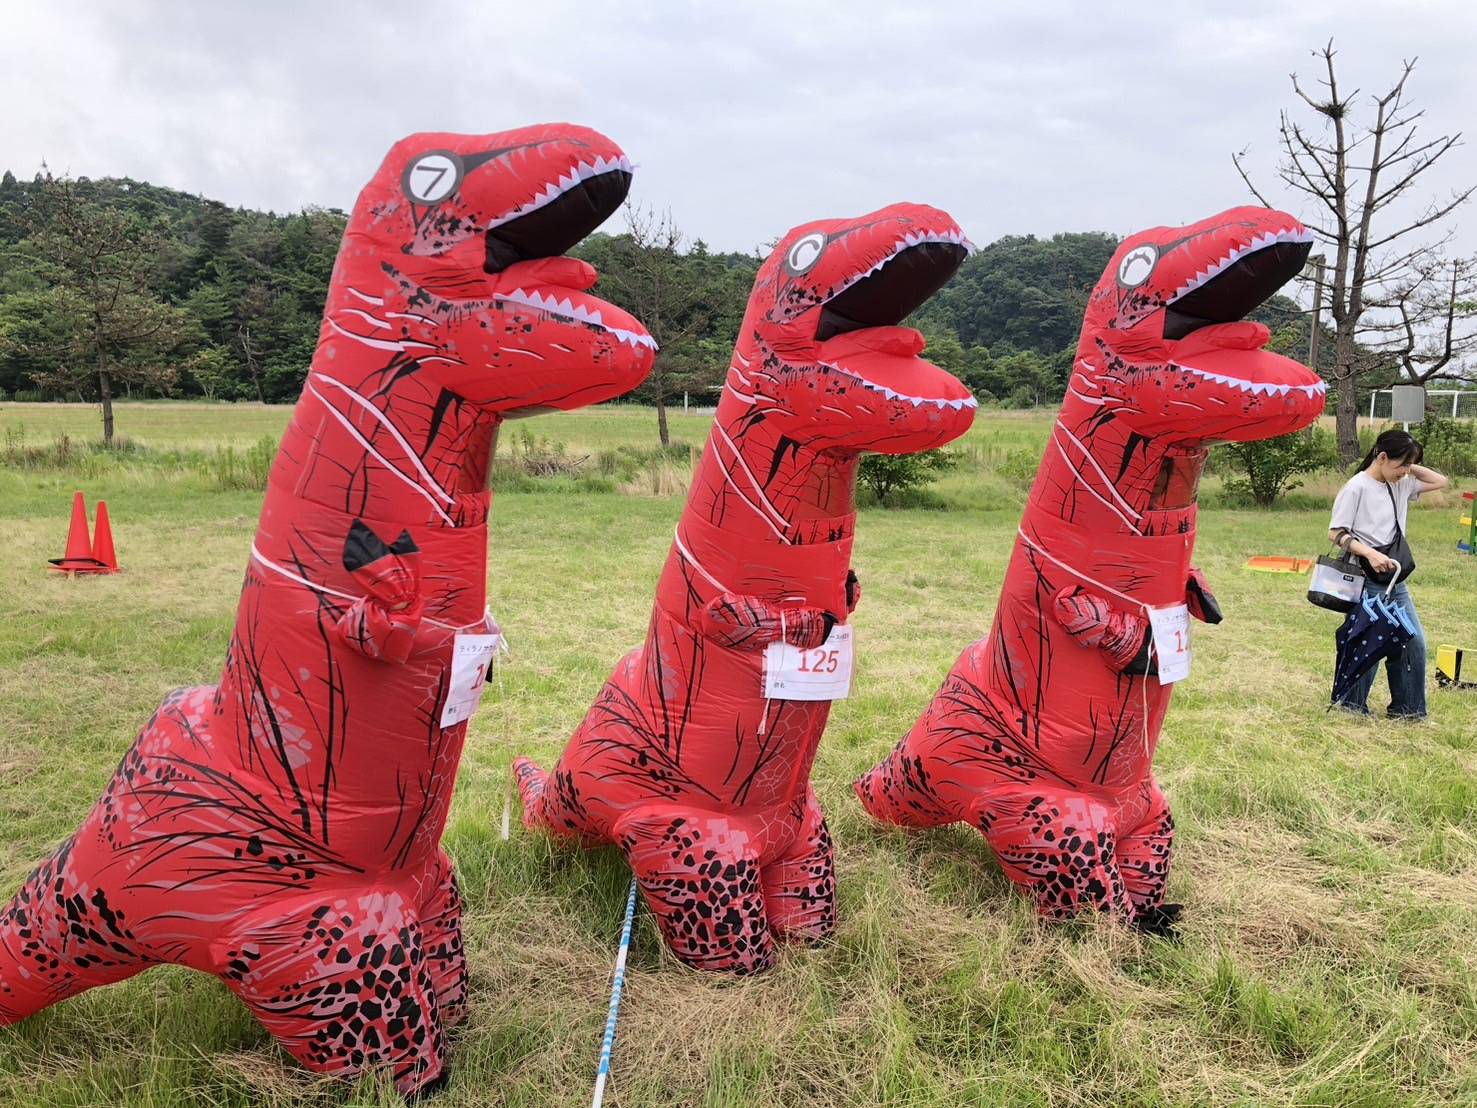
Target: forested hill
pixel 242 292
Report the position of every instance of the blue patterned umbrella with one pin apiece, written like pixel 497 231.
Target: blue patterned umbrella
pixel 1373 629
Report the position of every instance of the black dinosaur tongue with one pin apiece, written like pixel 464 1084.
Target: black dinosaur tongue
pixel 549 231
pixel 1233 293
pixel 894 292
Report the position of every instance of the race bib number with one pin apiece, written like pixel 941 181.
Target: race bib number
pixel 821 673
pixel 1171 628
pixel 471 668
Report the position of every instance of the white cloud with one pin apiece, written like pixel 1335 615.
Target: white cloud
pixel 746 119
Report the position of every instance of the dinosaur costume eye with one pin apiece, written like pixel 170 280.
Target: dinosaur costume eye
pixel 431 178
pixel 805 253
pixel 1136 266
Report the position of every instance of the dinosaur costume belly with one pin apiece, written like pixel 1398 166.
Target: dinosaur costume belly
pixel 281 829
pixel 683 762
pixel 1043 734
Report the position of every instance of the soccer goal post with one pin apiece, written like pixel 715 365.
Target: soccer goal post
pixel 1449 403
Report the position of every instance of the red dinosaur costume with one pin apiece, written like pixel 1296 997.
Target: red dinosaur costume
pixel 281 829
pixel 682 761
pixel 1043 734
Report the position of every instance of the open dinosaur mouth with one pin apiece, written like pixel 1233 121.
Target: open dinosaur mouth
pixel 919 265
pixel 564 212
pixel 859 331
pixel 560 215
pixel 1230 287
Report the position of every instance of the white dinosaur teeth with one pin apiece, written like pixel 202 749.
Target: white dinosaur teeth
pixel 566 308
pixel 1259 242
pixel 633 338
pixel 1258 388
pixel 911 239
pixel 567 180
pixel 915 401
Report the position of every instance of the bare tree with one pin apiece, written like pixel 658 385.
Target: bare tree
pixel 658 283
pixel 1358 178
pixel 255 305
pixel 1429 320
pixel 108 328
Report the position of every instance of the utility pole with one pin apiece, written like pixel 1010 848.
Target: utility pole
pixel 1316 263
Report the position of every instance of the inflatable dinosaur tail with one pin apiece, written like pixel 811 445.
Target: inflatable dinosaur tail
pixel 531 781
pixel 55 942
pixel 897 790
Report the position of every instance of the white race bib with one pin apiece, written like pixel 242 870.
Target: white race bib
pixel 821 673
pixel 471 666
pixel 1171 628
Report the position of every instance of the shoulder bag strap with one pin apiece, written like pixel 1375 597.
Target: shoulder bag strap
pixel 1399 532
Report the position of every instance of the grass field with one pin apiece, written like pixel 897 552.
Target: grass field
pixel 1329 866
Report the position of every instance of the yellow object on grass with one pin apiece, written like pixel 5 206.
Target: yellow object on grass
pixel 1277 563
pixel 1449 668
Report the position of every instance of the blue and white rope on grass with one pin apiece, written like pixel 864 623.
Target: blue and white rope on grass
pixel 615 998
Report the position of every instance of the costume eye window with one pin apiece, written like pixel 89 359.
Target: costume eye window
pixel 805 253
pixel 1136 266
pixel 431 178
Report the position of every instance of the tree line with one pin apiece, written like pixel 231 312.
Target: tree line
pixel 113 287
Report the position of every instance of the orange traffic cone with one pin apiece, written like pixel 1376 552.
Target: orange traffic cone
pixel 102 541
pixel 78 558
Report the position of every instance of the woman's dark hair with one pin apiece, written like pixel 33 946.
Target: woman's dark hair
pixel 1399 446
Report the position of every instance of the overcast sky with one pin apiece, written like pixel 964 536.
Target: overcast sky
pixel 744 118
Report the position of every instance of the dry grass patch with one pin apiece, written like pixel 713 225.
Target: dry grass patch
pixel 1328 865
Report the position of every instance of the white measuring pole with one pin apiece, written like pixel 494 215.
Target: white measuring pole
pixel 615 998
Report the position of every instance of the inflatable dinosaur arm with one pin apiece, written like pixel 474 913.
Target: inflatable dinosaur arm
pixel 1201 601
pixel 1092 622
pixel 382 623
pixel 752 623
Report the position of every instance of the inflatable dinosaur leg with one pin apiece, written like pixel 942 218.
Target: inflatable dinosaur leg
pixel 60 936
pixel 1143 855
pixel 1057 845
pixel 700 877
pixel 800 886
pixel 342 981
pixel 441 925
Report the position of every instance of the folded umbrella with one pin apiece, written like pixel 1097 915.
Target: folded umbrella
pixel 1374 629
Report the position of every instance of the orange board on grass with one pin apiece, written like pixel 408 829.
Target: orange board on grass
pixel 1270 563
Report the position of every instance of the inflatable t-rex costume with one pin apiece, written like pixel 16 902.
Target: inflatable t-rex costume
pixel 281 829
pixel 682 761
pixel 1044 733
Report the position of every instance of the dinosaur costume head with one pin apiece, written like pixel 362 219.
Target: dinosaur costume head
pixel 452 258
pixel 1165 350
pixel 829 366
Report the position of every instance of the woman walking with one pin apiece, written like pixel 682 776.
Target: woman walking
pixel 1369 516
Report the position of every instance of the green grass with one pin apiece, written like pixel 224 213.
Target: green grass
pixel 1329 866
